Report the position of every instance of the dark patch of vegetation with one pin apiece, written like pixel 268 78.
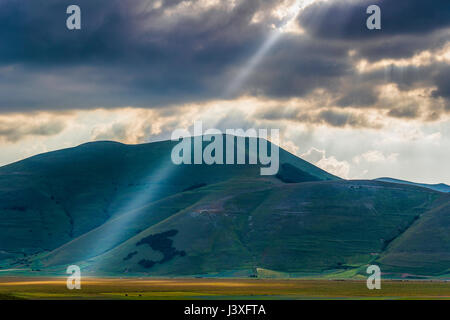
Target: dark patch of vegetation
pixel 160 242
pixel 290 174
pixel 130 255
pixel 147 263
pixel 195 186
pixel 17 208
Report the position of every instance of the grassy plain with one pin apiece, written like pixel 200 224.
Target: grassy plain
pixel 252 289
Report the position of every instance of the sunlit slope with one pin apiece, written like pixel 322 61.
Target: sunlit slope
pixel 54 198
pixel 425 247
pixel 116 230
pixel 314 227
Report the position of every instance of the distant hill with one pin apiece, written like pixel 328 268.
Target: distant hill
pixel 120 210
pixel 441 187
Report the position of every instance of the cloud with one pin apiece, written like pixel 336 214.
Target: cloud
pixel 344 118
pixel 334 166
pixel 127 52
pixel 330 164
pixel 442 80
pixel 376 156
pixel 359 95
pixel 313 155
pixel 166 54
pixel 406 51
pixel 308 114
pixel 347 19
pixel 16 128
pixel 409 112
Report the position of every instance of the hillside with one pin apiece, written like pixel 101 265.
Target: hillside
pixel 53 198
pixel 287 228
pixel 441 187
pixel 118 210
pixel 425 247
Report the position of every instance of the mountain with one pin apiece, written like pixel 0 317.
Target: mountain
pixel 51 199
pixel 441 187
pixel 119 210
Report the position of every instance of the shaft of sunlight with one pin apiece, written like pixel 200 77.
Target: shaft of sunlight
pixel 272 39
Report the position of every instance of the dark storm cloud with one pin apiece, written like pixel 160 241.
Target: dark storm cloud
pixel 134 53
pixel 125 53
pixel 406 25
pixel 442 80
pixel 118 31
pixel 346 19
pixel 435 75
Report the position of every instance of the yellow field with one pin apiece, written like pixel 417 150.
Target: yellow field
pixel 133 288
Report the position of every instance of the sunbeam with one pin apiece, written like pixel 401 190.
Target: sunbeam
pixel 119 228
pixel 262 51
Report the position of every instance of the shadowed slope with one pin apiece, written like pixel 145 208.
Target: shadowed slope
pixel 425 247
pixel 53 198
pixel 315 227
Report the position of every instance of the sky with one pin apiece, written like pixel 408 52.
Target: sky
pixel 358 103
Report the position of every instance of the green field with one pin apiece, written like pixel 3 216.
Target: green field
pixel 167 289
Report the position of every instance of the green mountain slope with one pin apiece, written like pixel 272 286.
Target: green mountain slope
pixel 287 228
pixel 425 247
pixel 441 187
pixel 51 199
pixel 120 210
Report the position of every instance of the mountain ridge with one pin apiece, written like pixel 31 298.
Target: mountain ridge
pixel 119 209
pixel 441 187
